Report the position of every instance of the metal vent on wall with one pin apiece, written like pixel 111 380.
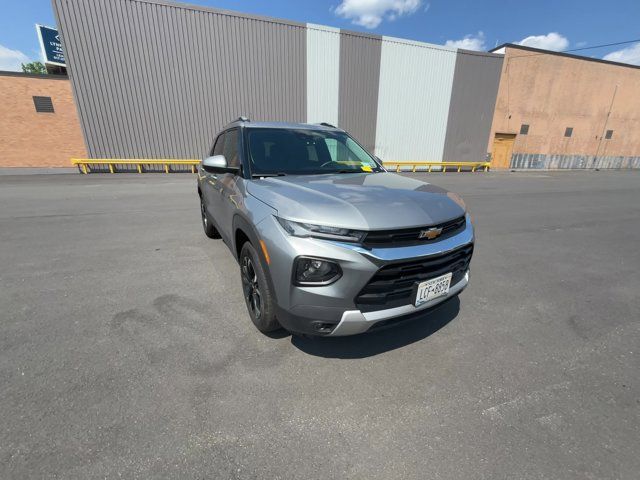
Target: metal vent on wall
pixel 43 104
pixel 524 129
pixel 608 135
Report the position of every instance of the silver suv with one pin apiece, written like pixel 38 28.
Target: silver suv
pixel 329 242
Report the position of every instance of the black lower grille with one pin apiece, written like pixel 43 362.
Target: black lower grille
pixel 411 236
pixel 392 285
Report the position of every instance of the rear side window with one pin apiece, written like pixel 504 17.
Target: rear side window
pixel 231 148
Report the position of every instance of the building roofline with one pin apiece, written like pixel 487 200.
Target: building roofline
pixel 220 11
pixel 562 54
pixel 477 53
pixel 312 26
pixel 41 76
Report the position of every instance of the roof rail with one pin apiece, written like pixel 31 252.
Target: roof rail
pixel 325 124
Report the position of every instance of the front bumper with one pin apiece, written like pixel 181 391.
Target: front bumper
pixel 354 321
pixel 331 309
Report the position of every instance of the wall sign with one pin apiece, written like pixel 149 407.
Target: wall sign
pixel 51 45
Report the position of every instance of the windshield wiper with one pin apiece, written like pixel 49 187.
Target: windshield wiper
pixel 278 174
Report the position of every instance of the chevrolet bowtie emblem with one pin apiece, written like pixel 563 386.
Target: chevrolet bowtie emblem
pixel 430 233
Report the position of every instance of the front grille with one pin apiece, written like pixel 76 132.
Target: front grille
pixel 410 236
pixel 392 285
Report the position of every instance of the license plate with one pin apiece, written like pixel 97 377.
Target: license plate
pixel 434 288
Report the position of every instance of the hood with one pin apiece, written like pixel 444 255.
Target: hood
pixel 360 201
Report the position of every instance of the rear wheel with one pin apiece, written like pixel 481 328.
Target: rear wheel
pixel 209 230
pixel 256 291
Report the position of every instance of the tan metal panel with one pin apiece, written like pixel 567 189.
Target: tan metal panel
pixel 413 100
pixel 323 74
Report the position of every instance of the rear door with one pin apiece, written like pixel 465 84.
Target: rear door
pixel 211 187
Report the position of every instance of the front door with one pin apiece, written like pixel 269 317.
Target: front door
pixel 230 198
pixel 502 147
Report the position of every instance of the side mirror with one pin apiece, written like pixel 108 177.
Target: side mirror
pixel 215 162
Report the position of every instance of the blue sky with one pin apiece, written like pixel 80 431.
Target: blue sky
pixel 475 24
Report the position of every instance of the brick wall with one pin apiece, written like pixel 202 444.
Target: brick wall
pixel 32 139
pixel 551 92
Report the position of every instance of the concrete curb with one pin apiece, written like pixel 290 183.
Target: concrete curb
pixel 36 170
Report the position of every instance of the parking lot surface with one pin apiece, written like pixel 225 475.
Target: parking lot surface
pixel 126 349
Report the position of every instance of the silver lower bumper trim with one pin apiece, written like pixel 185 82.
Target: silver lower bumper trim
pixel 354 321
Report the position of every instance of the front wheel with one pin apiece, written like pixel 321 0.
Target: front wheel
pixel 257 294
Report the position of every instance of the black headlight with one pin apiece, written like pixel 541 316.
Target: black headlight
pixel 308 271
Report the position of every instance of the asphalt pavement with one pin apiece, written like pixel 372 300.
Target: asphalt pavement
pixel 126 350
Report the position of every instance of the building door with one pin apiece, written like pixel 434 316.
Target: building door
pixel 502 147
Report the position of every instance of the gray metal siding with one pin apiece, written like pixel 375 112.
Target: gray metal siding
pixel 558 162
pixel 359 81
pixel 156 80
pixel 473 98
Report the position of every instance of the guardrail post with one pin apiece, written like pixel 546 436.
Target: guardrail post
pixel 110 168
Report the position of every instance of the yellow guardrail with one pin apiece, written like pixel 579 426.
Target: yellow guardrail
pixel 473 166
pixel 87 164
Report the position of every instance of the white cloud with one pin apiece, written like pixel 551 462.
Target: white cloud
pixel 469 42
pixel 11 59
pixel 551 41
pixel 629 54
pixel 370 13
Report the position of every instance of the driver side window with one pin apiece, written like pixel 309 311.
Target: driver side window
pixel 218 149
pixel 231 148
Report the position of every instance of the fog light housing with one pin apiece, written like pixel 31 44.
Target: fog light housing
pixel 309 271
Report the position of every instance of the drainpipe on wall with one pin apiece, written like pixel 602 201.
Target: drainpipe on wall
pixel 604 129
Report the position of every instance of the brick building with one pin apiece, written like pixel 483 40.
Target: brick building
pixel 39 124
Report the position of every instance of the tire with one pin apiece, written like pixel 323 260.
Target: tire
pixel 209 230
pixel 256 292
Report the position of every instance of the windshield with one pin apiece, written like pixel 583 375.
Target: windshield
pixel 277 151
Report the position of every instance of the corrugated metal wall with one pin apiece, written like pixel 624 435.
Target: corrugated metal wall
pixel 155 79
pixel 413 100
pixel 473 99
pixel 359 75
pixel 323 74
